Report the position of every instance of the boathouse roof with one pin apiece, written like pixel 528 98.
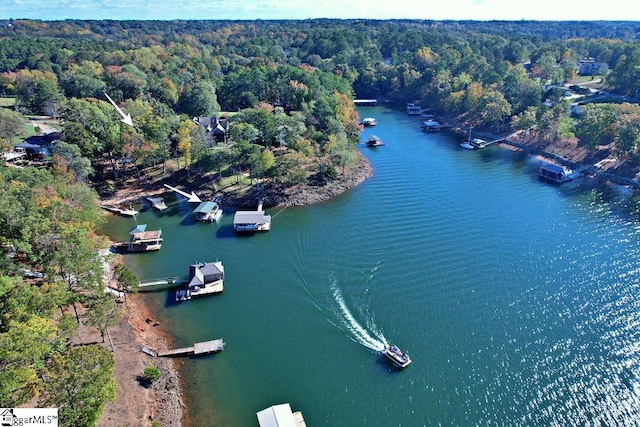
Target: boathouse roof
pixel 205 207
pixel 280 416
pixel 139 232
pixel 251 217
pixel 204 273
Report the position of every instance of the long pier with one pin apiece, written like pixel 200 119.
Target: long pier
pixel 160 284
pixel 198 349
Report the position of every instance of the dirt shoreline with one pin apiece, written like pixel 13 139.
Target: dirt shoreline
pixel 135 404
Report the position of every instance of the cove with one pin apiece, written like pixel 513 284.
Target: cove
pixel 517 301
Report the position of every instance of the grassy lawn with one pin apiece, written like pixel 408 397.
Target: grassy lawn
pixel 7 102
pixel 583 79
pixel 27 131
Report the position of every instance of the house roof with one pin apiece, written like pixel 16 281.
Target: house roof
pixel 45 139
pixel 212 124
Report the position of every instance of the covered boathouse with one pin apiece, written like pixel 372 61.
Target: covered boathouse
pixel 206 278
pixel 142 240
pixel 554 174
pixel 207 211
pixel 249 221
pixel 280 416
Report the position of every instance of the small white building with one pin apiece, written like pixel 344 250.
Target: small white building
pixel 280 416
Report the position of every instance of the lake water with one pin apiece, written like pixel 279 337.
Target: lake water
pixel 518 302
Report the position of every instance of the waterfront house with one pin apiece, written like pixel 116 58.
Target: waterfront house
pixel 39 146
pixel 215 128
pixel 589 67
pixel 249 221
pixel 280 416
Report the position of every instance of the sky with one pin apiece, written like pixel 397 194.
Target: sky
pixel 555 10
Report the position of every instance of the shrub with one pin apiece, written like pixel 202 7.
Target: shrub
pixel 151 374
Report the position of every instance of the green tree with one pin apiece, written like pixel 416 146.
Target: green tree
pixel 79 382
pixel 69 157
pixel 11 125
pixel 199 100
pixel 151 374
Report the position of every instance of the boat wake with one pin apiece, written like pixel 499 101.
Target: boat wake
pixel 370 336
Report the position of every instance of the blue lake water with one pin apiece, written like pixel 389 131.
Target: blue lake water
pixel 517 301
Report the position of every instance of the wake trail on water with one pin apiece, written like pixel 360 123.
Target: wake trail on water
pixel 370 336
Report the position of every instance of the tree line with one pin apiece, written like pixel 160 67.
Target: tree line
pixel 285 90
pixel 51 280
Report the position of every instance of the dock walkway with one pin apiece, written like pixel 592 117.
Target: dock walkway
pixel 198 349
pixel 161 284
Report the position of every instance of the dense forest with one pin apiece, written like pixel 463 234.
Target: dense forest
pixel 284 91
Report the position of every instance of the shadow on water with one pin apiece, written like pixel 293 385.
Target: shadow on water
pixel 227 231
pixel 170 298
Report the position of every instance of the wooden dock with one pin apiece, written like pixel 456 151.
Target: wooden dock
pixel 484 144
pixel 198 349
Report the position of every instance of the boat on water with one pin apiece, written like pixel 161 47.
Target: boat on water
pixel 472 143
pixel 374 141
pixel 396 356
pixel 369 121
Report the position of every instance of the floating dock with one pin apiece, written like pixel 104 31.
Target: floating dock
pixel 157 203
pixel 365 102
pixel 116 210
pixel 198 349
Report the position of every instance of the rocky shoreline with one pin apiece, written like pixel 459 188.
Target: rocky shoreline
pixel 301 195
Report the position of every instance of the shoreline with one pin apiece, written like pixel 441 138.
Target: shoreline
pixel 300 195
pixel 135 404
pixel 163 402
